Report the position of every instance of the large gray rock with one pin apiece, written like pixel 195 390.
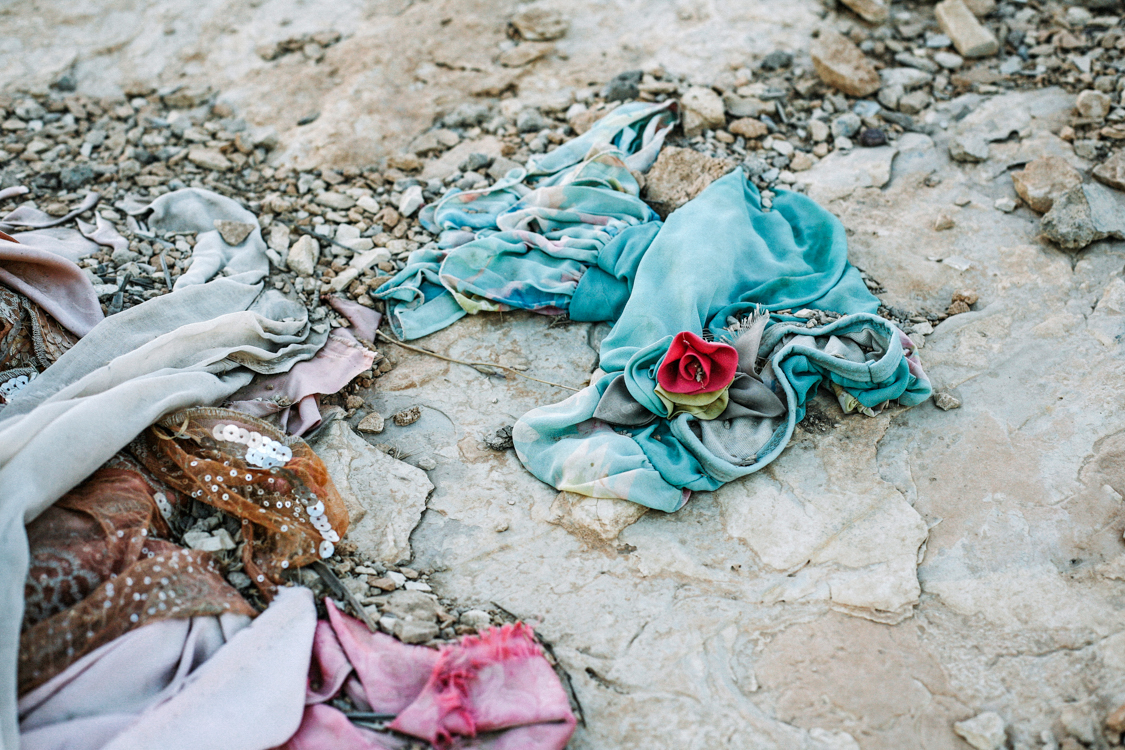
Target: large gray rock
pixel 1085 214
pixel 385 497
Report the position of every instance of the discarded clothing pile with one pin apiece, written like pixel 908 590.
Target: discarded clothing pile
pixel 696 302
pixel 109 446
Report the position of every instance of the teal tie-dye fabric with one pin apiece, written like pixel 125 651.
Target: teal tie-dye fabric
pixel 582 241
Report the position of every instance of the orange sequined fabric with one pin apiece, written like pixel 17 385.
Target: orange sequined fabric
pixel 97 571
pixel 291 513
pixel 99 567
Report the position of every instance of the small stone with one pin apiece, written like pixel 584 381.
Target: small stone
pixel 530 120
pixel 73 178
pixel 944 221
pixel 397 578
pixel 981 8
pixel 1093 105
pixel 908 78
pixel 540 24
pixel 777 60
pixel 969 37
pixel 914 102
pixel 341 282
pixel 949 60
pixel 1044 180
pixel 411 200
pixel 871 137
pixel 57 208
pixel 846 125
pixel 333 200
pixel 226 541
pixel 749 128
pixel 303 256
pixel 1085 214
pixel 968 147
pixel 984 731
pixel 208 158
pixel 411 631
pixel 426 463
pixel 234 233
pixel 279 238
pixel 1115 722
pixel 679 175
pixel 1112 171
pixel 405 162
pixel 370 258
pixel 476 619
pixel 746 106
pixel 475 161
pixel 840 64
pixel 872 11
pixel 703 110
pixel 372 423
pixel 411 605
pixel 801 162
pixel 381 583
pixel 368 204
pixel 623 86
pixel 819 130
pixel 417 586
pixel 408 416
pixel 945 400
pixel 1005 204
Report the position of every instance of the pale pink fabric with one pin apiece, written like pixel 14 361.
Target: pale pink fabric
pixel 341 359
pixel 497 684
pixel 53 282
pixel 182 684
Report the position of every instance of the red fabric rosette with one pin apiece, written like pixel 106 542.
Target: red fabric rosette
pixel 693 365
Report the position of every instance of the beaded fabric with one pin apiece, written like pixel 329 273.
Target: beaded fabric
pixel 30 341
pixel 291 513
pixel 98 570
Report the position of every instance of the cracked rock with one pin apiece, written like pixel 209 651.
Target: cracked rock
pixel 679 175
pixel 703 110
pixel 1112 171
pixel 385 497
pixel 1085 214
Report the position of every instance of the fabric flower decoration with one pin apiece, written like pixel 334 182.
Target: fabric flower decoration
pixel 694 366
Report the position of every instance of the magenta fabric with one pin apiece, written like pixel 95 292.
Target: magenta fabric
pixel 498 682
pixel 693 365
pixel 54 283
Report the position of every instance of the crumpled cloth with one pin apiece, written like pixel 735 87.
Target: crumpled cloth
pixel 505 247
pixel 196 346
pixel 342 358
pixel 101 566
pixel 150 688
pixel 792 257
pixel 52 281
pixel 497 685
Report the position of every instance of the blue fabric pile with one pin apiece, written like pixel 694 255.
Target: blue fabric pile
pixel 571 234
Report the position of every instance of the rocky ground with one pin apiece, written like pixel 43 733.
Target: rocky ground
pixel 924 578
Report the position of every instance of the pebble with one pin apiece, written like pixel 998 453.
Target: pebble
pixel 303 256
pixel 776 60
pixel 476 619
pixel 426 463
pixel 703 109
pixel 750 128
pixel 1044 180
pixel 623 86
pixel 1092 105
pixel 337 201
pixel 840 64
pixel 373 423
pixel 984 731
pixel 413 631
pixel 1085 214
pixel 819 130
pixel 539 24
pixel 846 125
pixel 1112 171
pixel 1005 204
pixel 208 158
pixel 411 200
pixel 234 232
pixel 407 416
pixel 279 238
pixel 944 221
pixel 968 147
pixel 871 137
pixel 397 578
pixel 872 11
pixel 950 60
pixel 968 35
